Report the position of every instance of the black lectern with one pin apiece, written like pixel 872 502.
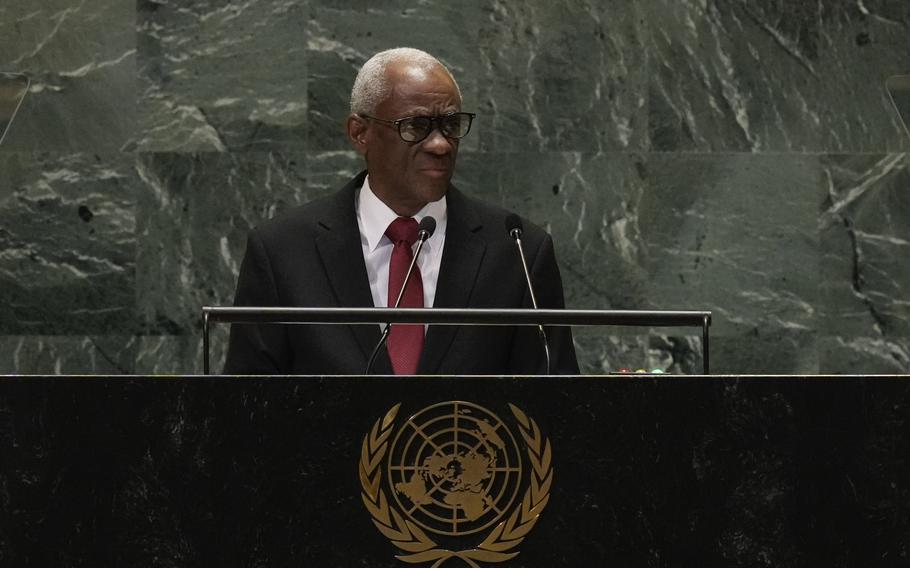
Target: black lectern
pixel 454 471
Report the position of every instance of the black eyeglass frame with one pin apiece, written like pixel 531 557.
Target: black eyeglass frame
pixel 435 122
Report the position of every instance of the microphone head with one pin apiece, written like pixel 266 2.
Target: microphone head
pixel 426 228
pixel 513 225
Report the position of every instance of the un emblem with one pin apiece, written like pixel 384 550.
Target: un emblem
pixel 455 469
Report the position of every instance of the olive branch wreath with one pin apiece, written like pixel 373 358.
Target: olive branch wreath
pixel 412 540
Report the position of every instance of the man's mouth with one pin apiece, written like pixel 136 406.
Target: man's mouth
pixel 435 171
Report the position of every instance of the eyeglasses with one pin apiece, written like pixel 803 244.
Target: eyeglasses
pixel 415 128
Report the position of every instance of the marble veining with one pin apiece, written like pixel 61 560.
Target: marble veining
pixel 81 59
pixel 220 77
pixel 69 354
pixel 775 76
pixel 735 156
pixel 191 246
pixel 565 76
pixel 866 241
pixel 67 244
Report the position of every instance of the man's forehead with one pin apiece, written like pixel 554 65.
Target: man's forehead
pixel 420 86
pixel 404 73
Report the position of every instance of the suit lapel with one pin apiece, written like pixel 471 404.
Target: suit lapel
pixel 342 257
pixel 461 257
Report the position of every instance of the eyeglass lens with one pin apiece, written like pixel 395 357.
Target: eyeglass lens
pixel 417 128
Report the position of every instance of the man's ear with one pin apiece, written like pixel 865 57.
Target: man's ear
pixel 357 133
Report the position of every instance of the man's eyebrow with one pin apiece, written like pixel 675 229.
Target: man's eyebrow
pixel 423 111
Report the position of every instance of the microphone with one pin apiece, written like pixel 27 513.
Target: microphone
pixel 515 230
pixel 13 88
pixel 425 230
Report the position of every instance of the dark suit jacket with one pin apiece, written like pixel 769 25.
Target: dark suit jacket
pixel 311 256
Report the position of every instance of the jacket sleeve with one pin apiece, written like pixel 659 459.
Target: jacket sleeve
pixel 257 349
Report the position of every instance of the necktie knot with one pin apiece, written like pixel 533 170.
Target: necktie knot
pixel 403 229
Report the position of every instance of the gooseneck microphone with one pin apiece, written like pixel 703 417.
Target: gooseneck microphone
pixel 425 230
pixel 514 228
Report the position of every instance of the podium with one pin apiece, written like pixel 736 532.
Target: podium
pixel 294 471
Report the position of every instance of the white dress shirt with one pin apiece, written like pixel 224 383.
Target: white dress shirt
pixel 373 218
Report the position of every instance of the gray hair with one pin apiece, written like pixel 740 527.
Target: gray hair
pixel 371 86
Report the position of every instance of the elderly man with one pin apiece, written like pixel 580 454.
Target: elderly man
pixel 351 249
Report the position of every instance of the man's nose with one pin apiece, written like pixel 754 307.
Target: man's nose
pixel 437 143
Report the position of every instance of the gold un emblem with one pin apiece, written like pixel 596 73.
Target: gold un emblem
pixel 451 471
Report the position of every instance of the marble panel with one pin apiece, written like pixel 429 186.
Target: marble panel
pixel 590 205
pixel 775 76
pixel 602 351
pixel 874 355
pixel 222 75
pixel 563 76
pixel 181 354
pixel 193 217
pixel 67 355
pixel 765 350
pixel 67 244
pixel 541 76
pixel 342 36
pixel 735 234
pixel 865 243
pixel 800 256
pixel 81 59
pixel 327 172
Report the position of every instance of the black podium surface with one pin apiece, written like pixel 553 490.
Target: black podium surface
pixel 331 471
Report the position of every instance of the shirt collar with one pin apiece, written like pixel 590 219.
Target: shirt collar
pixel 375 216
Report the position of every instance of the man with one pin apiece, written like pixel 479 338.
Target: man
pixel 351 249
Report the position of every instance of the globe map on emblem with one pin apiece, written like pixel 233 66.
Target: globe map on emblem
pixel 454 468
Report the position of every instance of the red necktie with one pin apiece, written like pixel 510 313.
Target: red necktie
pixel 405 340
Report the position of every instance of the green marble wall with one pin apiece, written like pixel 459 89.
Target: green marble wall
pixel 728 155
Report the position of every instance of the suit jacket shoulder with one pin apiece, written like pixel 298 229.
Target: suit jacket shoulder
pixel 330 212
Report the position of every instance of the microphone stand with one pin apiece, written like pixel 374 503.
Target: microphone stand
pixel 515 233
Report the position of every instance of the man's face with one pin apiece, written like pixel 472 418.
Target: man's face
pixel 408 175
